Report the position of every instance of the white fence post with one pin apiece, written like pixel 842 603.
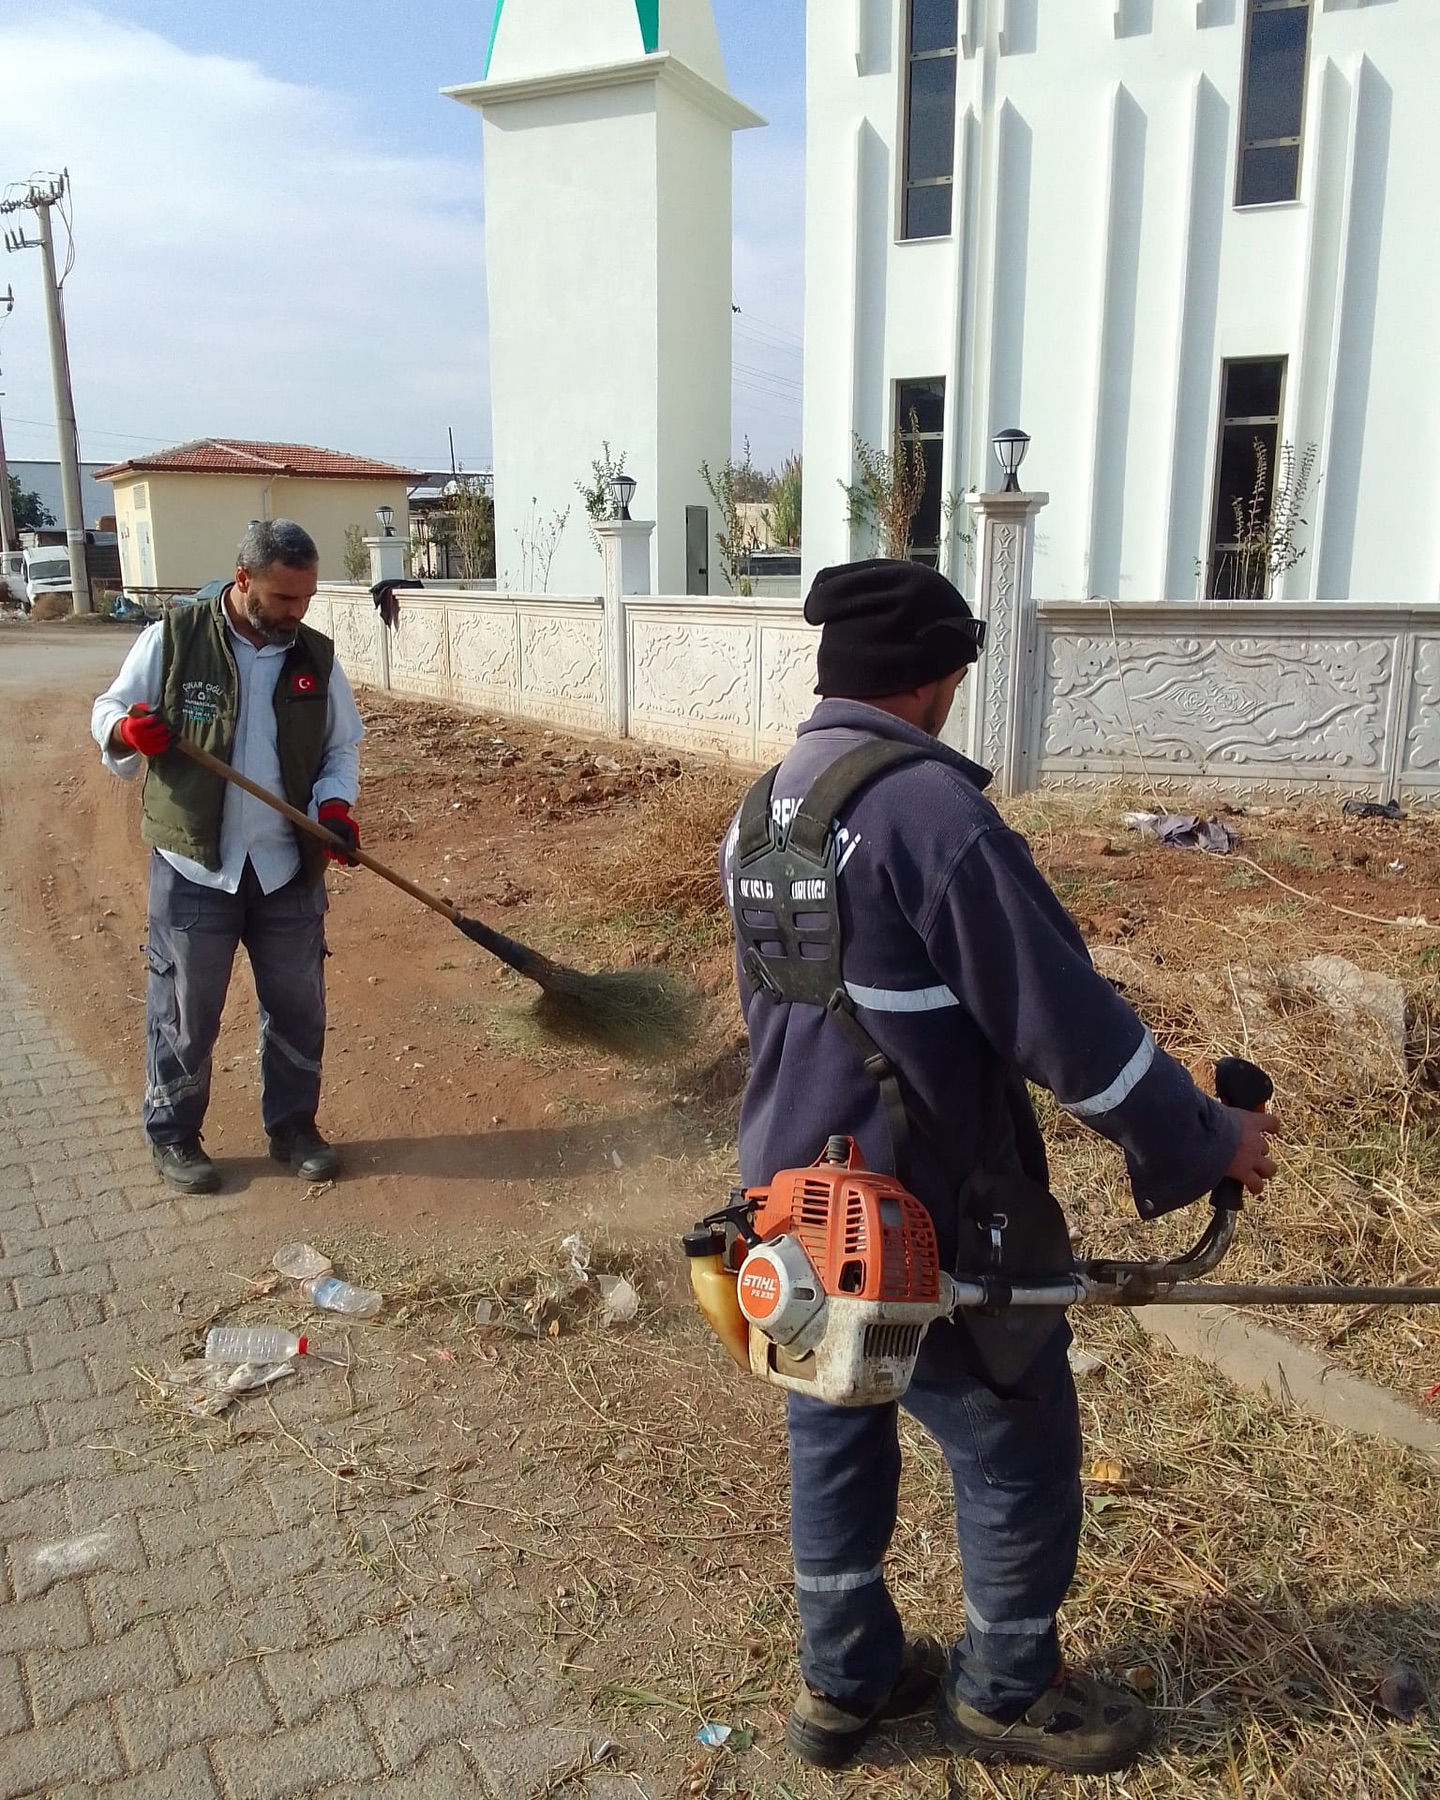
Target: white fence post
pixel 625 546
pixel 387 558
pixel 1002 686
pixel 387 563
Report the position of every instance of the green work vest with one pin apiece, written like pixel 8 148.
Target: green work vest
pixel 200 701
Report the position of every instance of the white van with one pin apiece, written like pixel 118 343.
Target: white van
pixel 46 571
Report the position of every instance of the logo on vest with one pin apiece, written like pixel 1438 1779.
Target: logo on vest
pixel 200 702
pixel 756 890
pixel 809 890
pixel 303 684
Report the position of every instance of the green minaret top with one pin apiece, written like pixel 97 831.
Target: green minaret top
pixel 646 11
pixel 649 14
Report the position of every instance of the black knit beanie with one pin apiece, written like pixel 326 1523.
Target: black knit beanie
pixel 888 627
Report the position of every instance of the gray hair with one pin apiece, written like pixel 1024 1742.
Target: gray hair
pixel 270 541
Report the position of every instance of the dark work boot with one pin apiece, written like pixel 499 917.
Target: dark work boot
pixel 1080 1724
pixel 307 1153
pixel 185 1166
pixel 827 1734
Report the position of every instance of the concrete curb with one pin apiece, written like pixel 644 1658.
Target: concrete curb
pixel 1262 1360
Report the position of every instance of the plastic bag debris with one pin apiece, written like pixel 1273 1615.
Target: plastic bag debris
pixel 542 1309
pixel 1183 831
pixel 206 1390
pixel 618 1298
pixel 1373 809
pixel 541 1313
pixel 1402 1691
pixel 301 1262
pixel 72 1556
pixel 576 1248
pixel 729 1737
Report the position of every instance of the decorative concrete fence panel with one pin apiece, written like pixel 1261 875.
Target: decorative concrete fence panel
pixel 733 677
pixel 420 651
pixel 1273 695
pixel 1281 696
pixel 355 626
pixel 562 662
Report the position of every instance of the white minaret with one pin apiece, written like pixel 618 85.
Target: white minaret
pixel 607 248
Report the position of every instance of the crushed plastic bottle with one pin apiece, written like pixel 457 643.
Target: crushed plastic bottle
pixel 253 1344
pixel 333 1295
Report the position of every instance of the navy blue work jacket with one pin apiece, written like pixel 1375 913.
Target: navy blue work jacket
pixel 963 967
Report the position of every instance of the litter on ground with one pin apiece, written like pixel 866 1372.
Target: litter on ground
pixel 1183 831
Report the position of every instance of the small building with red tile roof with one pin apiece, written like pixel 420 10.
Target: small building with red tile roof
pixel 181 513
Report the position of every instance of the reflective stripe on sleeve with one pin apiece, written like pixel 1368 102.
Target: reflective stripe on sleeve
pixel 901 1000
pixel 1123 1084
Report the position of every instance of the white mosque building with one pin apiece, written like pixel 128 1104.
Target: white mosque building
pixel 1153 234
pixel 1150 233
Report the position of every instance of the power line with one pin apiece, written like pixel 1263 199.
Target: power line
pixel 128 436
pixel 762 378
pixel 779 330
pixel 775 346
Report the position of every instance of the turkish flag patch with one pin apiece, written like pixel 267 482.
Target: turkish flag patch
pixel 303 684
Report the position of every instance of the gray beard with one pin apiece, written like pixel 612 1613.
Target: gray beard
pixel 271 634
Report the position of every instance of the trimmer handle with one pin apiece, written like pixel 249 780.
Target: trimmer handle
pixel 1244 1085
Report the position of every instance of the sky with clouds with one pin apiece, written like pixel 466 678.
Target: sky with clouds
pixel 279 226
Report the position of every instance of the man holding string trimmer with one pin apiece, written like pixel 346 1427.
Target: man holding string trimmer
pixel 245 679
pixel 960 978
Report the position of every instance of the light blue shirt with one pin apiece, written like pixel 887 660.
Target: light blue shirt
pixel 248 828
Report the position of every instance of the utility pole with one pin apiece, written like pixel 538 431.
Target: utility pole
pixel 40 195
pixel 9 541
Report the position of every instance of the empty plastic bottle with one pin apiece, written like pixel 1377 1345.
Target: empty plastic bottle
pixel 253 1344
pixel 333 1295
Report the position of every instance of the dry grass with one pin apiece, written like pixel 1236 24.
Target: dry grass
pixel 1358 1197
pixel 1253 1570
pixel 665 862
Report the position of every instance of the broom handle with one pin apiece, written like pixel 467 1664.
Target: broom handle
pixel 303 822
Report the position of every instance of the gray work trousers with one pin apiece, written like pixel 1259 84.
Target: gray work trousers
pixel 194 932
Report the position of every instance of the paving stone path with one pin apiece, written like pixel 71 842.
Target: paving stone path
pixel 186 1614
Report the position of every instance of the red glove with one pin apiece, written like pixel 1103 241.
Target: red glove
pixel 335 817
pixel 144 730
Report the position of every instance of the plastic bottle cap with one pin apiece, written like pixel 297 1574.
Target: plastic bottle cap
pixel 302 1346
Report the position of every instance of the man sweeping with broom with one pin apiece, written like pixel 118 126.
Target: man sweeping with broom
pixel 244 678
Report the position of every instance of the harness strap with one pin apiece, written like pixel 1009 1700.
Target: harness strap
pixel 815 816
pixel 755 831
pixel 811 836
pixel 903 1106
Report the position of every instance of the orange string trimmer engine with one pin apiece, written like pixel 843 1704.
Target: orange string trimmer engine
pixel 837 1274
pixel 827 1280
